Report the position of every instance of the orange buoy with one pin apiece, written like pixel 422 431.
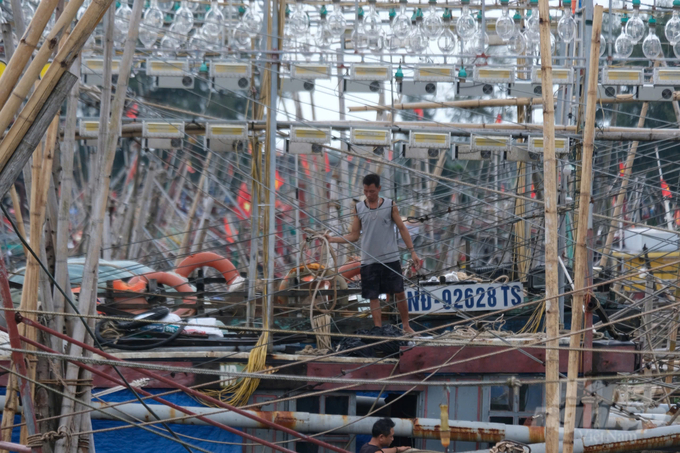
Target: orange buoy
pixel 210 259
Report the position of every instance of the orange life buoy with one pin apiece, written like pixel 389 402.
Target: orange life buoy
pixel 178 282
pixel 350 270
pixel 210 259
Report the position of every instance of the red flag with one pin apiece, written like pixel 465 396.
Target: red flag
pixel 279 181
pixel 229 234
pixel 243 201
pixel 665 190
pixel 622 169
pixel 420 114
pixel 533 194
pixel 499 119
pixel 327 162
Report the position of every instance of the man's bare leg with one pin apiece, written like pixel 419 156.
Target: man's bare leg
pixel 376 312
pixel 402 306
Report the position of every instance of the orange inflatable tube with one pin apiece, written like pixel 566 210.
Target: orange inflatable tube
pixel 166 278
pixel 210 259
pixel 350 270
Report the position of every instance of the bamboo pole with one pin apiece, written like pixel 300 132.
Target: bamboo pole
pixel 62 61
pixel 478 103
pixel 88 293
pixel 143 213
pixel 28 42
pixel 184 247
pixel 618 206
pixel 552 362
pixel 581 268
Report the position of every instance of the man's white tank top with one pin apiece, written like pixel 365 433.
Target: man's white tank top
pixel 378 233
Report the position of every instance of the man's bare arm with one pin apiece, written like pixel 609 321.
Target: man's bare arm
pixel 405 235
pixel 353 236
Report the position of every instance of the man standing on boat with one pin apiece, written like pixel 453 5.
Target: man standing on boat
pixel 382 436
pixel 374 220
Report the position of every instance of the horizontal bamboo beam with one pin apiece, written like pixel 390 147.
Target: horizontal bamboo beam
pixel 456 129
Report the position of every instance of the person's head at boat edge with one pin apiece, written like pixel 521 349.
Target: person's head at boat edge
pixel 382 437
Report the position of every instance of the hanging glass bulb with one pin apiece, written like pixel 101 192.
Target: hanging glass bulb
pixel 376 43
pixel 83 8
pixel 635 27
pixel 359 37
pixel 240 38
pixel 166 6
pixel 477 45
pixel 184 20
pixel 372 21
pixel 651 46
pixel 673 25
pixel 603 45
pixel 169 44
pixel 432 22
pixel 151 24
pixel 532 23
pixel 517 43
pixel 466 25
pixel 447 39
pixel 336 21
pixel 212 24
pixel 505 26
pixel 401 24
pixel 299 21
pixel 418 41
pixel 324 37
pixel 28 11
pixel 253 18
pixel 122 23
pixel 623 46
pixel 566 27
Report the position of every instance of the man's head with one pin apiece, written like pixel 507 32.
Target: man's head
pixel 383 432
pixel 372 187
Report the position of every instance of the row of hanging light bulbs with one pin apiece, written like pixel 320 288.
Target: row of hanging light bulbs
pixel 415 32
pixel 633 30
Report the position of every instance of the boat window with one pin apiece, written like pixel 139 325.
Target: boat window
pixel 337 405
pixel 530 397
pixel 500 398
pixel 309 404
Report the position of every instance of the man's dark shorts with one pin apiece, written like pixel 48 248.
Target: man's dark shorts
pixel 381 278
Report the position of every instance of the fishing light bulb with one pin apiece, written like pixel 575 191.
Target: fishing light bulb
pixel 166 7
pixel 566 27
pixel 170 44
pixel 466 25
pixel 603 45
pixel 517 43
pixel 336 21
pixel 299 21
pixel 252 19
pixel 623 46
pixel 505 26
pixel 184 19
pixel 447 39
pixel 240 38
pixel 651 46
pixel 359 37
pixel 28 11
pixel 418 41
pixel 635 27
pixel 372 21
pixel 82 9
pixel 401 24
pixel 324 37
pixel 122 23
pixel 432 22
pixel 673 25
pixel 532 21
pixel 376 43
pixel 151 24
pixel 477 45
pixel 212 23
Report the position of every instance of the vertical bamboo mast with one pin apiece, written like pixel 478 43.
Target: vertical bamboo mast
pixel 552 362
pixel 581 267
pixel 90 269
pixel 28 42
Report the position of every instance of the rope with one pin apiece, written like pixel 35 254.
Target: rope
pixel 37 440
pixel 321 324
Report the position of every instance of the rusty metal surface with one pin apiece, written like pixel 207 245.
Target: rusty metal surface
pixel 353 371
pixel 132 374
pixel 477 359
